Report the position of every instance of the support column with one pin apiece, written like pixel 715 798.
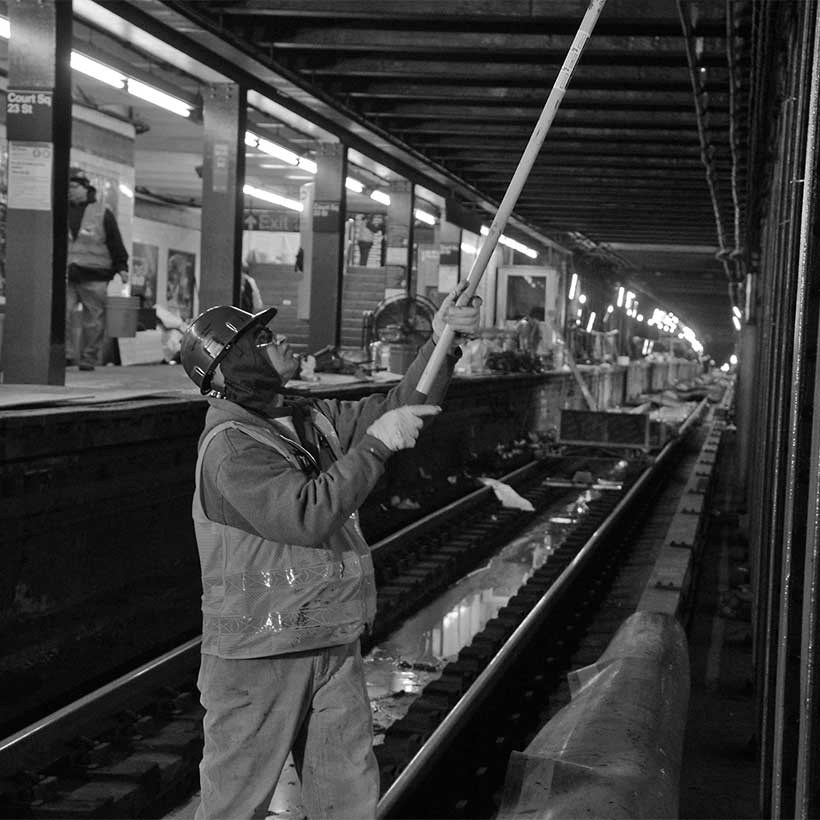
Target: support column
pixel 223 177
pixel 326 258
pixel 399 237
pixel 38 118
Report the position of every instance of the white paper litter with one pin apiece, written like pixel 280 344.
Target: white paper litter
pixel 507 495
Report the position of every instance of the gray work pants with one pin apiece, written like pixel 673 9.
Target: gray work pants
pixel 314 704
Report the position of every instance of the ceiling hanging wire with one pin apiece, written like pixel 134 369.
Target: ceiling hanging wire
pixel 731 59
pixel 707 149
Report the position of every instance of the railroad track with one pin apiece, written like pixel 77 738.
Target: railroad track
pixel 131 749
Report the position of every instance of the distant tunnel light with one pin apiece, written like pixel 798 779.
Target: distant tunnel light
pixel 573 286
pixel 353 185
pixel 159 98
pixel 92 68
pixel 621 293
pixel 591 322
pixel 380 196
pixel 733 360
pixel 274 199
pixel 423 216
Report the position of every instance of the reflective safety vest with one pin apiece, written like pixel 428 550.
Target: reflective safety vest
pixel 89 249
pixel 262 597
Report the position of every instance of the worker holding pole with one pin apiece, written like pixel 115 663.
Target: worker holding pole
pixel 288 584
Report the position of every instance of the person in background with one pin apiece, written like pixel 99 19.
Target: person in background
pixel 529 331
pixel 95 254
pixel 287 576
pixel 364 238
pixel 250 299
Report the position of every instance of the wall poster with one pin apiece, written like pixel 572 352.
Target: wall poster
pixel 180 288
pixel 144 267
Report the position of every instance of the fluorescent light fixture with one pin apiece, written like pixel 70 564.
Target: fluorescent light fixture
pixel 621 297
pixel 308 165
pixel 511 243
pixel 85 65
pixel 423 216
pixel 517 246
pixel 159 98
pixel 573 286
pixel 126 191
pixel 736 311
pixel 5 29
pixel 354 185
pixel 591 322
pixel 468 248
pixel 274 150
pixel 251 140
pixel 380 196
pixel 274 199
pixel 736 322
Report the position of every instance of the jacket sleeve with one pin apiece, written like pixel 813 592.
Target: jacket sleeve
pixel 248 485
pixel 114 243
pixel 352 418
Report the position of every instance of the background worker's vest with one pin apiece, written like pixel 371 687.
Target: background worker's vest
pixel 89 249
pixel 262 597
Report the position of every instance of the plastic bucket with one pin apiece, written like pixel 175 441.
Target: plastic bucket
pixel 121 314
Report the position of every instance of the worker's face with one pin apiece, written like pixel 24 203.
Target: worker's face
pixel 77 192
pixel 276 347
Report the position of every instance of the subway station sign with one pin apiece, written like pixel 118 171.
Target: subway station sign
pixel 29 115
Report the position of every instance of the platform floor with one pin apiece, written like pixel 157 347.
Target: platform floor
pixel 122 383
pixel 104 384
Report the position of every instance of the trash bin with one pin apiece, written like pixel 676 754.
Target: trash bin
pixel 121 313
pixel 401 357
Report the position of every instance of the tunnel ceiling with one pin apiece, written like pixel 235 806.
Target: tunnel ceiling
pixel 621 175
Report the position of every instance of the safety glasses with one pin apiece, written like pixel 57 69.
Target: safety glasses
pixel 265 336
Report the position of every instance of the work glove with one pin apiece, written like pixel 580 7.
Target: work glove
pixel 398 429
pixel 464 320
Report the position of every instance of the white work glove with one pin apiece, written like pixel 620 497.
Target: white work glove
pixel 464 320
pixel 398 429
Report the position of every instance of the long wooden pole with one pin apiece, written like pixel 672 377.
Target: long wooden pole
pixel 513 191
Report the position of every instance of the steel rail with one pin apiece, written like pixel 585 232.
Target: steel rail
pixel 18 750
pixel 434 747
pixel 22 749
pixel 466 502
